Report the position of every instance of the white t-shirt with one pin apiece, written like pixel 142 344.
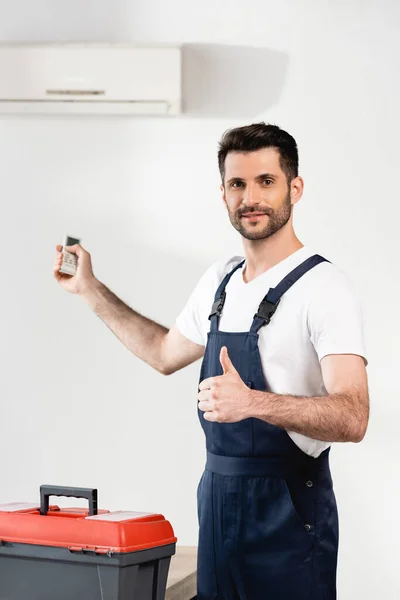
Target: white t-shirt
pixel 318 315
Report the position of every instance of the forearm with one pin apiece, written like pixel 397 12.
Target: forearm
pixel 140 335
pixel 331 418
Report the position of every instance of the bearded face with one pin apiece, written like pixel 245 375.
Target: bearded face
pixel 256 193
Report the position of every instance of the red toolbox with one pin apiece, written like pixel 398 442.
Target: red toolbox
pixel 48 553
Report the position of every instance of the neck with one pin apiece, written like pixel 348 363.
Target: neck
pixel 261 255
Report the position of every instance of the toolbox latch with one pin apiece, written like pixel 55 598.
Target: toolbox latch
pixel 90 549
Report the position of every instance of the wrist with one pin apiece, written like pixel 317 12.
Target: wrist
pixel 257 404
pixel 251 411
pixel 90 289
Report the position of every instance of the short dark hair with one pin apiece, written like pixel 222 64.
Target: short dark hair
pixel 251 138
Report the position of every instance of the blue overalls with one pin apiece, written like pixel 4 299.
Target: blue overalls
pixel 268 527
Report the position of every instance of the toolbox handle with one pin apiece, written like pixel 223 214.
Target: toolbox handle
pixel 70 492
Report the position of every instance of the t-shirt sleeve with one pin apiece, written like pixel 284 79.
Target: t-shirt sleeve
pixel 192 320
pixel 335 319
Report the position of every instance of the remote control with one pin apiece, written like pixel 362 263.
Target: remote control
pixel 70 260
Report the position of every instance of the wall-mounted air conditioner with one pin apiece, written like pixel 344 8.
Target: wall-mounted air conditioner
pixel 90 79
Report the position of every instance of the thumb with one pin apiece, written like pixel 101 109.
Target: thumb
pixel 76 249
pixel 226 362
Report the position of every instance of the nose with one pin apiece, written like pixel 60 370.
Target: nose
pixel 250 196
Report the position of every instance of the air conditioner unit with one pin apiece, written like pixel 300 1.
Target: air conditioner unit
pixel 90 79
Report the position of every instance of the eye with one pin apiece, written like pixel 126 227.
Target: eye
pixel 236 184
pixel 267 181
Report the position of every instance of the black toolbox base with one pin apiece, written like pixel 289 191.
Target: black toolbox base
pixel 29 572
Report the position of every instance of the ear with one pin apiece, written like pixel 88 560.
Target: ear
pixel 296 189
pixel 222 188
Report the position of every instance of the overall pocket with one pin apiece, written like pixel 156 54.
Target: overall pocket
pixel 300 497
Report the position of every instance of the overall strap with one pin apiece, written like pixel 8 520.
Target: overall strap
pixel 219 299
pixel 270 302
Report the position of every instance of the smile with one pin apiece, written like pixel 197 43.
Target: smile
pixel 253 215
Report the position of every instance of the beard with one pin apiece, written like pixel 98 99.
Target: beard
pixel 277 219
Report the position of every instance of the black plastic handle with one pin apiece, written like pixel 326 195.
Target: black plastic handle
pixel 46 491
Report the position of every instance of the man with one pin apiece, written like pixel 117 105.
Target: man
pixel 283 376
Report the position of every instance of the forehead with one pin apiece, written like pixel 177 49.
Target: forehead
pixel 251 164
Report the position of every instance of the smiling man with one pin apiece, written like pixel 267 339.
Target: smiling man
pixel 283 376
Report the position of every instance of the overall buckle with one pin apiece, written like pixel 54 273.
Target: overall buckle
pixel 218 305
pixel 266 310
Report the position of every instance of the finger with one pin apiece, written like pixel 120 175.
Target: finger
pixel 207 383
pixel 56 273
pixel 58 262
pixel 204 395
pixel 210 416
pixel 59 248
pixel 205 406
pixel 75 249
pixel 226 362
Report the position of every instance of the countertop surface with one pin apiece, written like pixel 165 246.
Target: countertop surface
pixel 181 584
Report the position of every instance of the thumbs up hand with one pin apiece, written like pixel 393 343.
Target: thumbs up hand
pixel 225 398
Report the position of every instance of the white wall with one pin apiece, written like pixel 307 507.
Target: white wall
pixel 76 407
